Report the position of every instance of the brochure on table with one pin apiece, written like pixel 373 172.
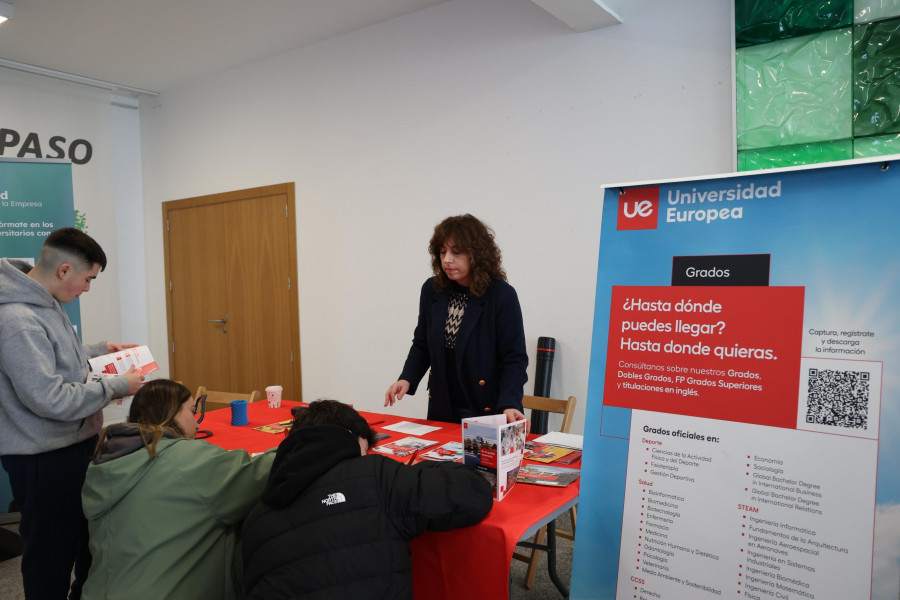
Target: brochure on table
pixel 547 453
pixel 448 452
pixel 494 447
pixel 550 475
pixel 403 447
pixel 742 425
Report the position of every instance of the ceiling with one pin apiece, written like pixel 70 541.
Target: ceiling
pixel 157 44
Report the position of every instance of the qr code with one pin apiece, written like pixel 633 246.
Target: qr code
pixel 838 398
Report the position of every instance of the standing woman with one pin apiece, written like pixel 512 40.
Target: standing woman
pixel 164 509
pixel 470 331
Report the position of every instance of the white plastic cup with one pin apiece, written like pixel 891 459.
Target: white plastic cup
pixel 273 395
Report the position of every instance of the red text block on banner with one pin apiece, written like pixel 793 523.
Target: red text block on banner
pixel 729 353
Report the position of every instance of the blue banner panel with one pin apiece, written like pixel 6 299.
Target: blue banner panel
pixel 35 198
pixel 743 418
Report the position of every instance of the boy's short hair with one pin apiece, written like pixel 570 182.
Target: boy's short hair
pixel 73 242
pixel 332 412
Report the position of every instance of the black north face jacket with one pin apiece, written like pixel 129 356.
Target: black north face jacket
pixel 334 524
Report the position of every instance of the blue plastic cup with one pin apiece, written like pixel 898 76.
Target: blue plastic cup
pixel 239 412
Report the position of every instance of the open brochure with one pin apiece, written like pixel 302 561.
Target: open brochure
pixel 494 447
pixel 404 447
pixel 547 475
pixel 118 363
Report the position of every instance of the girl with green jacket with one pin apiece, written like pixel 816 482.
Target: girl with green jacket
pixel 164 509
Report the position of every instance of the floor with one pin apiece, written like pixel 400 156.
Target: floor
pixel 543 588
pixel 11 580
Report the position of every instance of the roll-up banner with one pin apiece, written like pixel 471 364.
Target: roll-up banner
pixel 35 198
pixel 743 417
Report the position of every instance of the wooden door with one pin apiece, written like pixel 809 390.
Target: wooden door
pixel 232 301
pixel 198 349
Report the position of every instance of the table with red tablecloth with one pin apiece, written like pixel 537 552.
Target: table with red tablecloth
pixel 468 562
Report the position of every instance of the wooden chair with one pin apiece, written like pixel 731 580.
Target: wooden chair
pixel 216 400
pixel 566 408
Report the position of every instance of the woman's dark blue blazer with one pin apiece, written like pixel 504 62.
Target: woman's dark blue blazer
pixel 490 351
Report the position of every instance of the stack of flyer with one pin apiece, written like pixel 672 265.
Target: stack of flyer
pixel 494 447
pixel 547 475
pixel 549 453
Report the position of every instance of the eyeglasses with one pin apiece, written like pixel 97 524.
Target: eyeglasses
pixel 200 404
pixel 201 433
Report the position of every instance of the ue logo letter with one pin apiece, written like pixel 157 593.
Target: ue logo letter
pixel 638 208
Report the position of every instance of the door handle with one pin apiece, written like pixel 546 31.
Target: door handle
pixel 220 321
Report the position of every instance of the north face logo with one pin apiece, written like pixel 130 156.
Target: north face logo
pixel 335 498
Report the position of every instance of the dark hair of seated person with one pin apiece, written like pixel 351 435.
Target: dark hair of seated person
pixel 332 412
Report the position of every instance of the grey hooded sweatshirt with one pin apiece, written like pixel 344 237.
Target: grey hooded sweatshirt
pixel 45 402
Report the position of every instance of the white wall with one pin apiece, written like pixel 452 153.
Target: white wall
pixel 128 194
pixel 105 188
pixel 492 108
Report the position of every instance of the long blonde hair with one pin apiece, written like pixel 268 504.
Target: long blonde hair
pixel 153 410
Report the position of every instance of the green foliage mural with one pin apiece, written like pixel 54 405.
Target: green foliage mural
pixel 80 221
pixel 816 81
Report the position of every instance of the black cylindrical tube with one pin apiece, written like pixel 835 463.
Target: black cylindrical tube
pixel 543 372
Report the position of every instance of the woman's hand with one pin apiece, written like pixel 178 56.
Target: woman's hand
pixel 396 392
pixel 513 415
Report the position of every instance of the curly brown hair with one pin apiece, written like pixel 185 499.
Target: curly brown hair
pixel 473 238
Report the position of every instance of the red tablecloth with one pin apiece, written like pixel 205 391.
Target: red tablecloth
pixel 470 562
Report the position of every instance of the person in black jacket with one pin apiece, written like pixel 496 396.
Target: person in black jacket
pixel 469 332
pixel 335 522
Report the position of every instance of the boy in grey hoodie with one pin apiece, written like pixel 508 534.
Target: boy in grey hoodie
pixel 49 412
